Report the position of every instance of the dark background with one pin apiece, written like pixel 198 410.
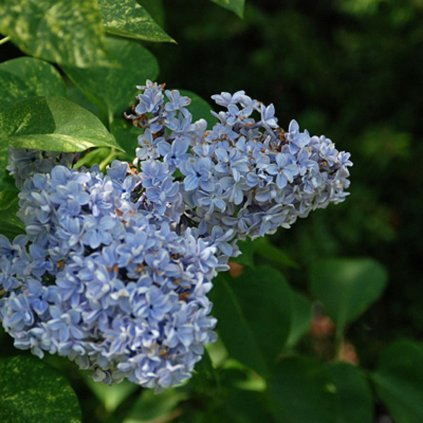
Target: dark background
pixel 352 70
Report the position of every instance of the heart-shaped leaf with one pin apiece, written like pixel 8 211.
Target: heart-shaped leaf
pixel 347 287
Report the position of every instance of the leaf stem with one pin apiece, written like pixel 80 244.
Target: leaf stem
pixel 108 159
pixel 4 40
pixel 339 342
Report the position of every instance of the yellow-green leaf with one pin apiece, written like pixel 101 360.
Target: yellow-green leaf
pixel 127 18
pixel 62 31
pixel 51 124
pixel 29 77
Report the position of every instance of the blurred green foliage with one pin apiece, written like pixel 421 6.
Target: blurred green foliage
pixel 350 69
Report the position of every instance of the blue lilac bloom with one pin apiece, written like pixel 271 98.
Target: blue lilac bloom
pixel 23 163
pixel 114 268
pixel 245 175
pixel 98 278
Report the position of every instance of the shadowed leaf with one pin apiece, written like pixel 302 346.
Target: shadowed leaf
pixel 254 316
pixel 301 316
pixel 112 88
pixel 354 396
pixel 301 390
pixel 399 381
pixel 236 6
pixel 199 108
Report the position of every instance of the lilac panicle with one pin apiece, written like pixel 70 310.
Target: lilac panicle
pixel 245 175
pixel 115 268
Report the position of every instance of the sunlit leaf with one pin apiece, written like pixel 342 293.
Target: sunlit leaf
pixel 30 391
pixel 51 123
pixel 61 31
pixel 127 18
pixel 28 77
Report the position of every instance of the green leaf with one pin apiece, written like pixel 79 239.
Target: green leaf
pixel 301 316
pixel 253 313
pixel 265 249
pixel 246 258
pixel 126 135
pixel 399 381
pixel 51 124
pixel 111 396
pixel 127 18
pixel 304 390
pixel 199 108
pixel 236 6
pixel 62 31
pixel 152 407
pixel 354 396
pixel 112 87
pixel 10 224
pixel 205 378
pixel 243 406
pixel 301 390
pixel 30 391
pixel 29 77
pixel 155 8
pixel 347 287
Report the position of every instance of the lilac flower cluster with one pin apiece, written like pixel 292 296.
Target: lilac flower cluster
pixel 114 269
pixel 23 163
pixel 99 279
pixel 245 177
